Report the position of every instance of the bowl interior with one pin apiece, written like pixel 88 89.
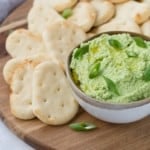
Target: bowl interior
pixel 93 101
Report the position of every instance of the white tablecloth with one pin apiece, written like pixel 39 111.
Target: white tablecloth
pixel 9 141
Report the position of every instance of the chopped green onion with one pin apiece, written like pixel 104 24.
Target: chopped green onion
pixel 146 74
pixel 111 85
pixel 67 13
pixel 115 43
pixel 140 42
pixel 82 126
pixel 94 70
pixel 81 51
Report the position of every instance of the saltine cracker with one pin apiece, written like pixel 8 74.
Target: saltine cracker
pixel 53 102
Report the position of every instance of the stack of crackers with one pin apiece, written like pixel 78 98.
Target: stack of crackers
pixel 36 72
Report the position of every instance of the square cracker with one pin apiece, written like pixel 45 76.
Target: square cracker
pixel 61 37
pixel 41 15
pixel 21 86
pixel 23 43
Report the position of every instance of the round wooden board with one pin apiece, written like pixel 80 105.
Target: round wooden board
pixel 107 136
pixel 41 136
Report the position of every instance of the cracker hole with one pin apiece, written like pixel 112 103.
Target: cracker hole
pixel 30 103
pixel 60 38
pixel 45 100
pixel 47 19
pixel 74 32
pixel 40 84
pixel 61 51
pixel 49 116
pixel 21 78
pixel 17 40
pixel 17 92
pixel 40 8
pixel 62 105
pixel 54 73
pixel 29 48
pixel 58 89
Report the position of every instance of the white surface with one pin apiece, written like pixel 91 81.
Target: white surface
pixel 8 141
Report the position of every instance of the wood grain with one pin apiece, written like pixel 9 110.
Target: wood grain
pixel 135 136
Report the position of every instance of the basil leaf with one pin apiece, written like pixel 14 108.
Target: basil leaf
pixel 94 70
pixel 115 43
pixel 81 51
pixel 146 74
pixel 140 42
pixel 67 13
pixel 111 85
pixel 82 126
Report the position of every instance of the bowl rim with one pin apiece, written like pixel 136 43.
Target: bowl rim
pixel 94 101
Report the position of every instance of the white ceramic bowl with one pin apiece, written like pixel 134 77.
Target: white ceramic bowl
pixel 114 113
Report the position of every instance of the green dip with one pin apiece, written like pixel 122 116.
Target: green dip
pixel 113 68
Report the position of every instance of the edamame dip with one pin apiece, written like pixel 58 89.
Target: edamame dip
pixel 113 68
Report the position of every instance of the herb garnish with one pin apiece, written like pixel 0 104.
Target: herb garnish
pixel 115 43
pixel 67 13
pixel 140 42
pixel 146 74
pixel 81 51
pixel 111 85
pixel 82 126
pixel 94 70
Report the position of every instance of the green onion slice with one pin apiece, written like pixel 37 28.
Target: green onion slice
pixel 140 42
pixel 94 70
pixel 81 51
pixel 82 126
pixel 67 13
pixel 111 85
pixel 115 43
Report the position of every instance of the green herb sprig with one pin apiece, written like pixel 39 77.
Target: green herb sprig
pixel 81 51
pixel 82 126
pixel 111 85
pixel 146 74
pixel 140 42
pixel 115 43
pixel 67 13
pixel 94 70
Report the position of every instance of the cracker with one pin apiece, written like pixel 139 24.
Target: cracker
pixel 147 2
pixel 84 15
pixel 61 37
pixel 105 11
pixel 21 92
pixel 41 15
pixel 119 25
pixel 9 68
pixel 146 28
pixel 23 43
pixel 53 102
pixel 138 12
pixel 57 4
pixel 21 87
